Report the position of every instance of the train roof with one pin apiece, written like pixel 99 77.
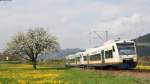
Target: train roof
pixel 70 56
pixel 120 41
pixel 89 50
pixel 73 55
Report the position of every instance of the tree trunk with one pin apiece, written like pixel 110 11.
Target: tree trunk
pixel 34 64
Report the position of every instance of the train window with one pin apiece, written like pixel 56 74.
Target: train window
pixel 113 48
pixel 85 58
pixel 72 60
pixel 108 54
pixel 78 59
pixel 95 57
pixel 126 48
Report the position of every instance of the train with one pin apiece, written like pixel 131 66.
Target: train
pixel 119 54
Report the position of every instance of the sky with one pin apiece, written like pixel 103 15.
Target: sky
pixel 73 21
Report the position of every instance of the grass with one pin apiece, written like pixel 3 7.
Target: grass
pixel 24 74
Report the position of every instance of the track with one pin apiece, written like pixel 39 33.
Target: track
pixel 139 70
pixel 129 70
pixel 140 73
pixel 121 70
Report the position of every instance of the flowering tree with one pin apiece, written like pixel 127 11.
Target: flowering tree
pixel 31 44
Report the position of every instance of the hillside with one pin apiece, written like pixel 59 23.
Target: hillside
pixel 143 39
pixel 143 45
pixel 59 54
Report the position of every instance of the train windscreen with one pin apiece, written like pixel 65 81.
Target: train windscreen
pixel 126 48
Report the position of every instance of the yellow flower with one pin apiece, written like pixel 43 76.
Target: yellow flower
pixel 40 82
pixel 21 82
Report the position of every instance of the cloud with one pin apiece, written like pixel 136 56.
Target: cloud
pixel 72 20
pixel 127 27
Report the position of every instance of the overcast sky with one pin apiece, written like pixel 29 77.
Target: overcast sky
pixel 73 20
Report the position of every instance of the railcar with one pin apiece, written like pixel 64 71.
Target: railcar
pixel 119 54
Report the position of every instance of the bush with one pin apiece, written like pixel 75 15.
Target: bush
pixel 53 63
pixel 145 60
pixel 10 62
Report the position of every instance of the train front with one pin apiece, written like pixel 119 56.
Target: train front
pixel 127 54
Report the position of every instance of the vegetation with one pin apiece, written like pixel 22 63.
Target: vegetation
pixel 24 74
pixel 31 44
pixel 143 39
pixel 53 63
pixel 143 45
pixel 143 67
pixel 143 50
pixel 144 60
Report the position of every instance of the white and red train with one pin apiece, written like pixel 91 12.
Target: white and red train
pixel 120 54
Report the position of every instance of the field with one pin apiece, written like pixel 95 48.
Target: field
pixel 24 74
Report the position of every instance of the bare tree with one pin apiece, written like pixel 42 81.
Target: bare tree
pixel 32 43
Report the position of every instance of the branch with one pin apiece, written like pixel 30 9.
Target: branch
pixel 31 57
pixel 26 58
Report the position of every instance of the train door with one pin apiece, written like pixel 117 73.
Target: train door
pixel 81 59
pixel 103 58
pixel 88 59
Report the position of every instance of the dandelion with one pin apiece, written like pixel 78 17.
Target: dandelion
pixel 21 82
pixel 59 81
pixel 40 82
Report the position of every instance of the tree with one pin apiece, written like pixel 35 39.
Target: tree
pixel 31 44
pixel 10 56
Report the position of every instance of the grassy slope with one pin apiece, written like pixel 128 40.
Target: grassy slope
pixel 24 74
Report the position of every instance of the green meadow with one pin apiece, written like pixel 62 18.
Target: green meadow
pixel 25 74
